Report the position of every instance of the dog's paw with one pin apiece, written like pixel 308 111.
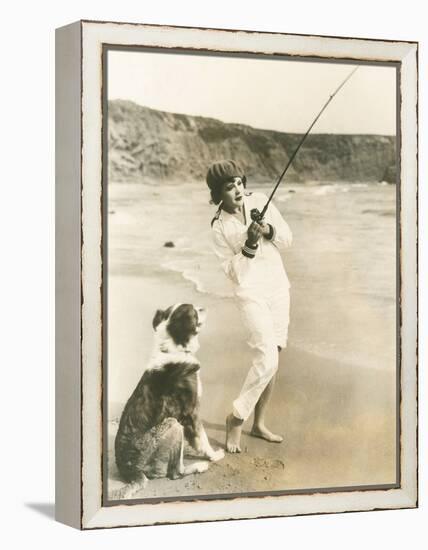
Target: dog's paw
pixel 217 455
pixel 201 467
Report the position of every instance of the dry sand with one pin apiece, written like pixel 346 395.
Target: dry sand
pixel 338 419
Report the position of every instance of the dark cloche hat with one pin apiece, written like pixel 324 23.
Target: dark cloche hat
pixel 221 172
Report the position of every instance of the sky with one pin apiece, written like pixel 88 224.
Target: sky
pixel 274 94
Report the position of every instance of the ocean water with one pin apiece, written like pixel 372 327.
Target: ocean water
pixel 342 264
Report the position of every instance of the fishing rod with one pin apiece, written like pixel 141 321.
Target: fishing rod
pixel 255 214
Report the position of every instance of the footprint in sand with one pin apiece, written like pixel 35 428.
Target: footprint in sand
pixel 268 463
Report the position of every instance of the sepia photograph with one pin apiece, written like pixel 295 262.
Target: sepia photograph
pixel 250 275
pixel 213 240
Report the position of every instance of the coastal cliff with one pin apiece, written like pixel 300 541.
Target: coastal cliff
pixel 149 146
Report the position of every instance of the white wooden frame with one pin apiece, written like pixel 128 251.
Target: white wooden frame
pixel 79 272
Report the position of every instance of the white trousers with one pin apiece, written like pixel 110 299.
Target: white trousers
pixel 266 318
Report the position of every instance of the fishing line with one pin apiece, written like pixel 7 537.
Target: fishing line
pixel 255 214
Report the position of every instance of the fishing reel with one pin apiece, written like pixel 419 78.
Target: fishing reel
pixel 256 215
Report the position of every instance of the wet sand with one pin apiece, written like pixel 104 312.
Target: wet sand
pixel 338 419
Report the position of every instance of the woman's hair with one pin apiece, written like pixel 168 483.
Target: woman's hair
pixel 221 172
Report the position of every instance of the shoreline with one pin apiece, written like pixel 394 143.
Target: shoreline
pixel 343 301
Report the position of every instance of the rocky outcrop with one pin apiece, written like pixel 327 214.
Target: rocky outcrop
pixel 146 145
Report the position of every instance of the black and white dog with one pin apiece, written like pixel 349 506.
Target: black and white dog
pixel 163 410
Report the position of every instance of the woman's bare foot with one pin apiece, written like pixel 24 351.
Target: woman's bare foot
pixel 233 433
pixel 264 433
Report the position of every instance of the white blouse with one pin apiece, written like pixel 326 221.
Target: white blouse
pixel 265 271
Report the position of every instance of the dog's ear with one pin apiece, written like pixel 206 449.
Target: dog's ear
pixel 159 315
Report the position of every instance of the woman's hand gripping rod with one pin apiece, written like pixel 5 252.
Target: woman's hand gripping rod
pixel 255 214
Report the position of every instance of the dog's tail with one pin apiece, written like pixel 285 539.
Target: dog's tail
pixel 130 489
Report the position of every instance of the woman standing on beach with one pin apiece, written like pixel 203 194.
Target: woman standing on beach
pixel 249 254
